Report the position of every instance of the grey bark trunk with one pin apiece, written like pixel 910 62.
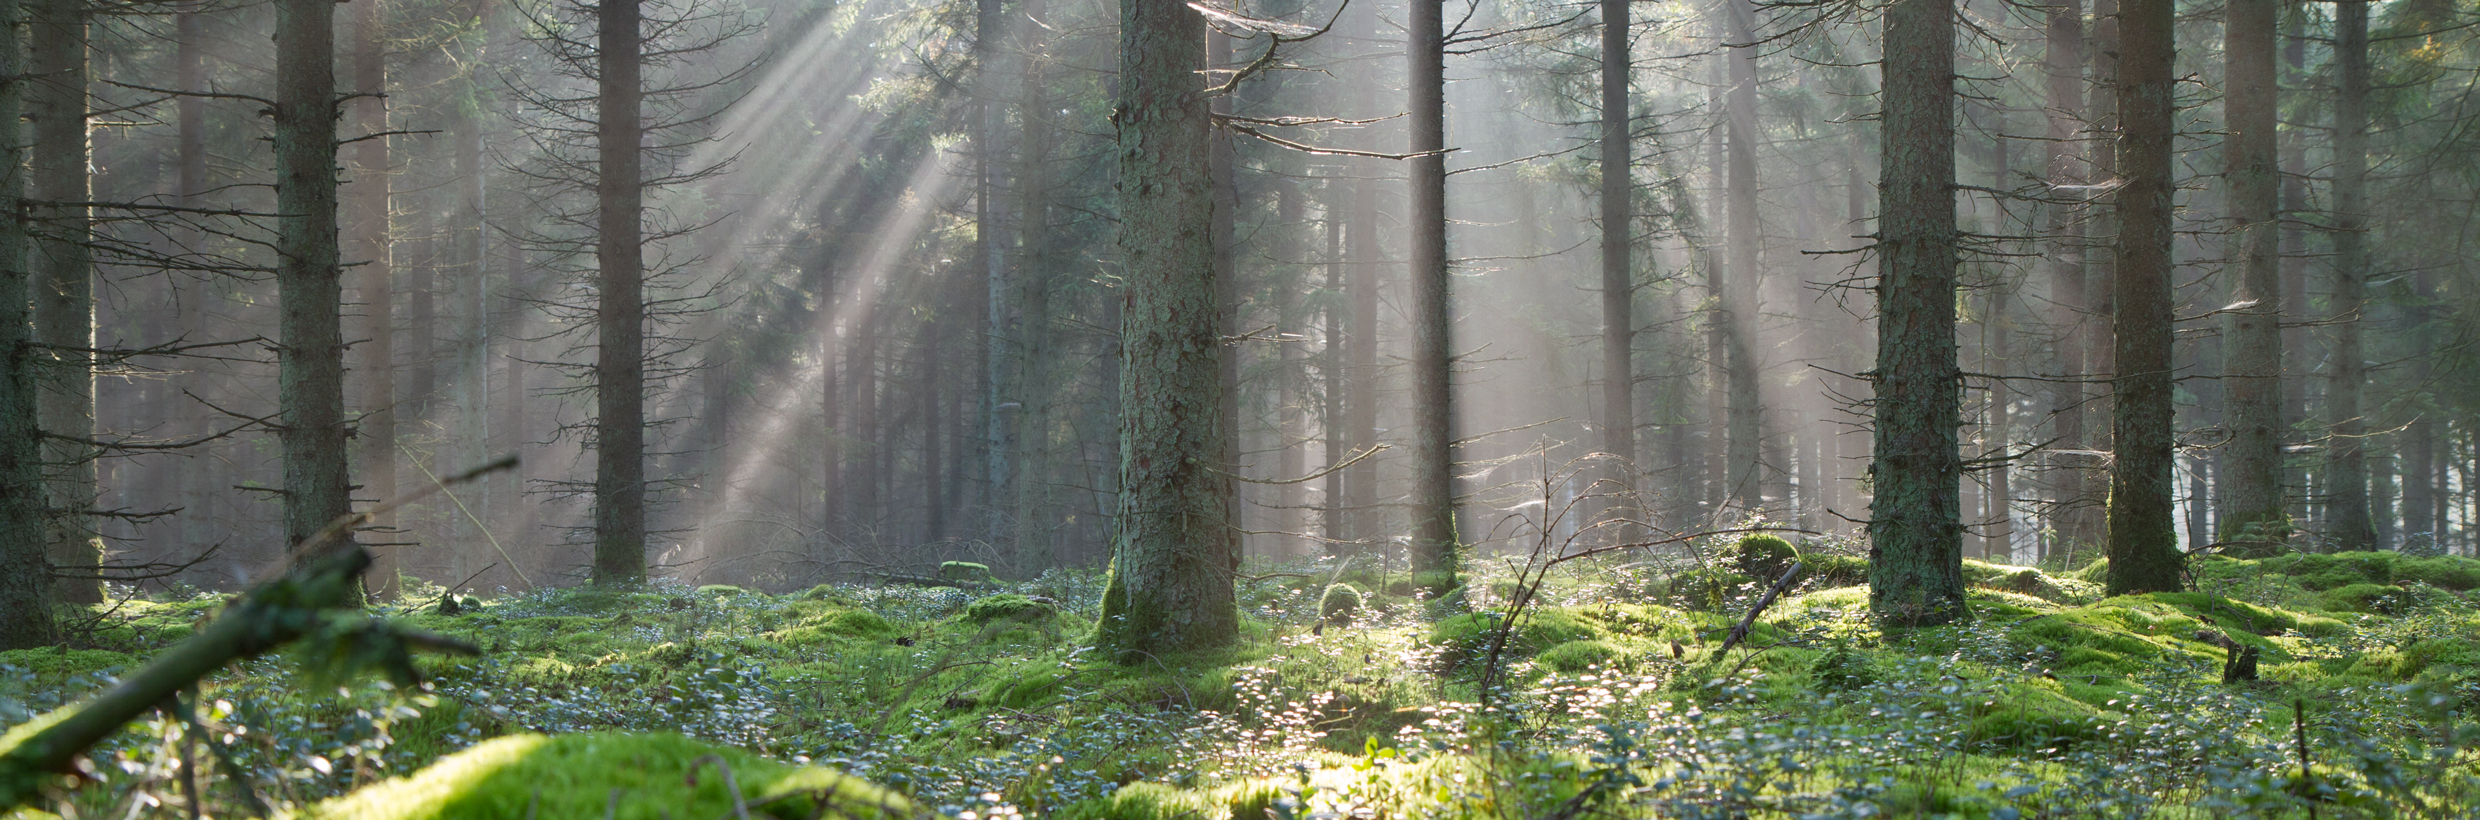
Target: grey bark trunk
pixel 1434 538
pixel 1174 551
pixel 2348 525
pixel 309 275
pixel 26 585
pixel 620 357
pixel 64 311
pixel 1618 261
pixel 2143 542
pixel 1740 308
pixel 2063 64
pixel 2251 506
pixel 1915 526
pixel 366 228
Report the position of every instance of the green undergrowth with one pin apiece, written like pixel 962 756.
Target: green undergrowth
pixel 1614 698
pixel 614 775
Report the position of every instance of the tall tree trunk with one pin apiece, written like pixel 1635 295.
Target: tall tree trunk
pixel 1618 261
pixel 1915 526
pixel 197 471
pixel 1432 498
pixel 2251 476
pixel 2087 515
pixel 1222 167
pixel 64 311
pixel 1334 366
pixel 620 314
pixel 2348 525
pixel 995 301
pixel 1291 438
pixel 2419 434
pixel 2063 65
pixel 1740 309
pixel 2296 341
pixel 309 275
pixel 1368 261
pixel 933 460
pixel 1030 448
pixel 2143 546
pixel 26 585
pixel 1174 552
pixel 368 242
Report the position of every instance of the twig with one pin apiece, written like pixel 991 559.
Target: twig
pixel 1739 632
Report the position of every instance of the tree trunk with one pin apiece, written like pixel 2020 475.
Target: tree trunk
pixel 26 585
pixel 1368 261
pixel 2143 545
pixel 366 227
pixel 1291 438
pixel 1334 366
pixel 309 275
pixel 2419 435
pixel 2347 522
pixel 2063 65
pixel 1915 528
pixel 2251 476
pixel 1434 538
pixel 2086 527
pixel 1740 309
pixel 1618 262
pixel 1174 552
pixel 64 308
pixel 620 315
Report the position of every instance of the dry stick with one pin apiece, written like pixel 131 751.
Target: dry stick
pixel 1740 631
pixel 267 617
pixel 485 529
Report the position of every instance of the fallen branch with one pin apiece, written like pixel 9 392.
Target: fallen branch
pixel 273 613
pixel 1739 632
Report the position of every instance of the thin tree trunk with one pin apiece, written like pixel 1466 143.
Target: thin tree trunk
pixel 1915 528
pixel 2087 511
pixel 1434 538
pixel 933 461
pixel 1291 417
pixel 2419 435
pixel 2348 525
pixel 309 275
pixel 366 228
pixel 2296 342
pixel 1333 367
pixel 64 311
pixel 620 314
pixel 2143 546
pixel 1174 552
pixel 1368 260
pixel 26 587
pixel 2251 477
pixel 1618 261
pixel 1740 308
pixel 2063 65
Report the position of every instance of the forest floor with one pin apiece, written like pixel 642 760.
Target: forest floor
pixel 1612 700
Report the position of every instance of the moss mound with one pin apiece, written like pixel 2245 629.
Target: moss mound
pixel 1339 604
pixel 1763 556
pixel 966 572
pixel 2321 572
pixel 613 775
pixel 1008 606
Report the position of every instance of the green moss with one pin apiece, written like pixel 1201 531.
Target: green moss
pixel 1830 571
pixel 1339 604
pixel 1467 636
pixel 1577 656
pixel 1008 606
pixel 1704 589
pixel 1146 801
pixel 965 572
pixel 55 663
pixel 1841 667
pixel 2447 571
pixel 579 776
pixel 2373 598
pixel 1763 556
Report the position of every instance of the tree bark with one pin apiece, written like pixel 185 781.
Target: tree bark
pixel 1740 308
pixel 2143 544
pixel 1618 261
pixel 2348 525
pixel 366 227
pixel 1915 528
pixel 309 275
pixel 620 358
pixel 65 298
pixel 2251 508
pixel 1434 538
pixel 1174 552
pixel 26 585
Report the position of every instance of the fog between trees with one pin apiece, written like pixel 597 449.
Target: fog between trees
pixel 770 293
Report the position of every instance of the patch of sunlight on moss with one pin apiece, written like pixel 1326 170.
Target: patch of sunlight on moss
pixel 576 776
pixel 55 663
